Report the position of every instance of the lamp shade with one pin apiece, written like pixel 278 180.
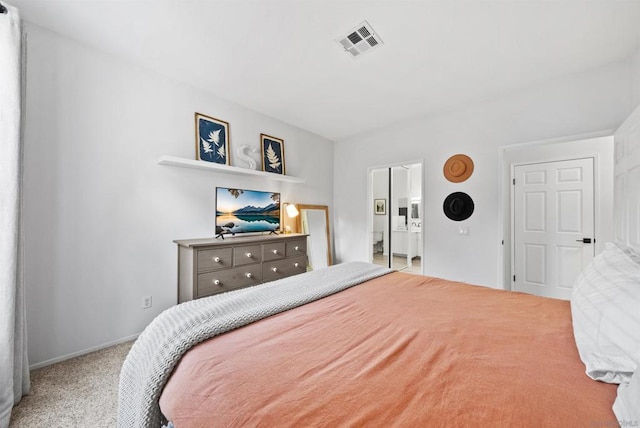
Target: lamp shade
pixel 292 211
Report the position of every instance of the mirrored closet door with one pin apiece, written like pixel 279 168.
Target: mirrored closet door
pixel 396 224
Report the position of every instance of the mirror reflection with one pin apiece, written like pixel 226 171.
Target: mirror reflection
pixel 314 221
pixel 396 235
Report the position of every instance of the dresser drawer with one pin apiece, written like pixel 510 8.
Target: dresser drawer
pixel 246 255
pixel 218 258
pixel 274 251
pixel 229 279
pixel 209 266
pixel 297 248
pixel 278 269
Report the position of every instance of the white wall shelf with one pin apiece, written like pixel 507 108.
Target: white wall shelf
pixel 225 169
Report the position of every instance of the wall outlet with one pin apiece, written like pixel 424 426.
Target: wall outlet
pixel 147 302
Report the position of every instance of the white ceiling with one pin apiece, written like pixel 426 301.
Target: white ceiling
pixel 281 58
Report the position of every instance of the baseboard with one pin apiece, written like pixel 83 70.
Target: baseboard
pixel 82 352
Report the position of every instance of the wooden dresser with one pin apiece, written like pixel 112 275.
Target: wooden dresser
pixel 210 266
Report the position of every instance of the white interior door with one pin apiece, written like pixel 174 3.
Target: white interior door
pixel 553 225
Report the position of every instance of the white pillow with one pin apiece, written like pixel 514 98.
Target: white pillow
pixel 605 307
pixel 627 404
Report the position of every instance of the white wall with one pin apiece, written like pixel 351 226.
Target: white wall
pixel 627 182
pixel 635 78
pixel 582 103
pixel 100 214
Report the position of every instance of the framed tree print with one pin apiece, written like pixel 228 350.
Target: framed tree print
pixel 272 150
pixel 212 139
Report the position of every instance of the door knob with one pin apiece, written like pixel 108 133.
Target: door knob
pixel 585 240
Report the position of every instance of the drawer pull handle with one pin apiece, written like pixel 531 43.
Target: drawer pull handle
pixel 275 269
pixel 296 248
pixel 296 265
pixel 216 259
pixel 275 251
pixel 248 255
pixel 248 275
pixel 216 282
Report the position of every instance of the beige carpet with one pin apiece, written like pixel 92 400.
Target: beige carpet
pixel 81 392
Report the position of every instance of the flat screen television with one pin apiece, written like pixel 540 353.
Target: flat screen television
pixel 246 211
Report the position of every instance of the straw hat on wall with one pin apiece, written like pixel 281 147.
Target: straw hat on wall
pixel 458 168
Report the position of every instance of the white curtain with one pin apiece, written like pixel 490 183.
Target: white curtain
pixel 14 367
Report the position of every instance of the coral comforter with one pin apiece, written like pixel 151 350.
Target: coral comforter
pixel 398 350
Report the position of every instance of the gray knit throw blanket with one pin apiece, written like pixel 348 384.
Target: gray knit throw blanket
pixel 162 344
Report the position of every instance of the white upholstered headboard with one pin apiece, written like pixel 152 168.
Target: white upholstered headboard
pixel 627 182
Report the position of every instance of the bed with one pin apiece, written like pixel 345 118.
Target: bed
pixel 359 345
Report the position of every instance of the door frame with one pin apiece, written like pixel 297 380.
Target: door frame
pixel 369 209
pixel 598 145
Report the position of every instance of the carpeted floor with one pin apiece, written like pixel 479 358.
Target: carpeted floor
pixel 81 392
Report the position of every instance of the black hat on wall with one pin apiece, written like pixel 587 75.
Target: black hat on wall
pixel 458 206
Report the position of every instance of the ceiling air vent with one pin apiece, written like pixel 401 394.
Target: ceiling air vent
pixel 360 40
